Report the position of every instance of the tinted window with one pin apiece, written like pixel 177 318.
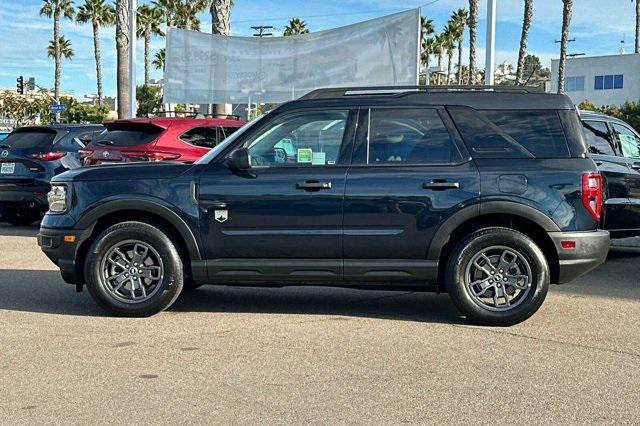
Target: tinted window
pixel 127 134
pixel 311 138
pixel 206 137
pixel 28 139
pixel 597 137
pixel 407 136
pixel 628 140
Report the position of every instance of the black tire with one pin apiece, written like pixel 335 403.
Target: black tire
pixel 167 287
pixel 21 217
pixel 531 262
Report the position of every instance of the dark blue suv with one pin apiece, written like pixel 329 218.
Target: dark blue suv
pixel 29 158
pixel 485 193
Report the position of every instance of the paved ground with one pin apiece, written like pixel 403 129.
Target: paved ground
pixel 314 355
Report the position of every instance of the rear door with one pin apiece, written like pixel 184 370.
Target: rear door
pixel 615 171
pixel 410 172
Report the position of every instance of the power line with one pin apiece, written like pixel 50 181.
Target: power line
pixel 328 15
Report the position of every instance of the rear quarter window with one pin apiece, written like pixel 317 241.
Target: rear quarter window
pixel 127 134
pixel 512 133
pixel 30 139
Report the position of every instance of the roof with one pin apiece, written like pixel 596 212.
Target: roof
pixel 61 127
pixel 166 122
pixel 478 97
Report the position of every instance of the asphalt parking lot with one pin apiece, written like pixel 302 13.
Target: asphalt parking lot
pixel 314 355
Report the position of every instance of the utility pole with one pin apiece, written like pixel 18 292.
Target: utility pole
pixel 490 59
pixel 133 15
pixel 261 30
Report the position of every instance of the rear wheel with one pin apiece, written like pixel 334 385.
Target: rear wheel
pixel 21 217
pixel 497 276
pixel 134 269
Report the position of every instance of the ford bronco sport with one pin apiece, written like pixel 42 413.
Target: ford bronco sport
pixel 485 193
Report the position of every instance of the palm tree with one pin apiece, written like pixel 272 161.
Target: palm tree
pixel 473 32
pixel 296 26
pixel 448 44
pixel 564 40
pixel 459 21
pixel 437 49
pixel 427 31
pixel 99 14
pixel 122 49
pixel 526 23
pixel 186 13
pixel 220 16
pixel 220 24
pixel 637 26
pixel 57 9
pixel 168 8
pixel 149 22
pixel 158 59
pixel 66 51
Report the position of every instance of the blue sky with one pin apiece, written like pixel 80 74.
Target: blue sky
pixel 597 25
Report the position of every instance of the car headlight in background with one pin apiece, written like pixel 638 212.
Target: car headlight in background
pixel 58 199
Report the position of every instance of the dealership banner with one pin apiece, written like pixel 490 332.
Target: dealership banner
pixel 204 68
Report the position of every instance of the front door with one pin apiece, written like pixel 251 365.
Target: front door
pixel 281 219
pixel 629 143
pixel 410 172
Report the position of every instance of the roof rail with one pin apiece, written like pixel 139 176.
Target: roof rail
pixel 403 90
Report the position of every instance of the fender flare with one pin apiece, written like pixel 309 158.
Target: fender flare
pixel 524 211
pixel 155 207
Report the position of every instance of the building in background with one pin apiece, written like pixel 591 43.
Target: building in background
pixel 602 80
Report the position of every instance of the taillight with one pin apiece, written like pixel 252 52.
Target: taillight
pixel 592 198
pixel 48 156
pixel 151 155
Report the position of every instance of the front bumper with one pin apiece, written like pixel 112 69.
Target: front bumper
pixel 591 249
pixel 61 252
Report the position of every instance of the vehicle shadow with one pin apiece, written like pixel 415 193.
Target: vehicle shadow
pixel 45 292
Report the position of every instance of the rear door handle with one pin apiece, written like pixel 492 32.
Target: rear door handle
pixel 313 185
pixel 440 185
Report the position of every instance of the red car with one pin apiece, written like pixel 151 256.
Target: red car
pixel 157 139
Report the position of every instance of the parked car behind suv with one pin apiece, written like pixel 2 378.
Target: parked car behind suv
pixel 29 158
pixel 157 139
pixel 487 194
pixel 615 147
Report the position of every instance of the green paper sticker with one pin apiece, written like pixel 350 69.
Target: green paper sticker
pixel 305 155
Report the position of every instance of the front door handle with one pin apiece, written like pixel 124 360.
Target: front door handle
pixel 440 185
pixel 635 166
pixel 313 185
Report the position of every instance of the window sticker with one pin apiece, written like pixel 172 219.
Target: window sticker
pixel 305 155
pixel 319 158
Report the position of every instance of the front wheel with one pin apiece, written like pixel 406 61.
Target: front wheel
pixel 497 276
pixel 134 269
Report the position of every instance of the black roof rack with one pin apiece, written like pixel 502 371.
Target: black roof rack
pixel 403 90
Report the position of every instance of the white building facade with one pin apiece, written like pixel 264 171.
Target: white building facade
pixel 602 80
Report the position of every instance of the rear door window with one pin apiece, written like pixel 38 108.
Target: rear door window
pixel 30 139
pixel 407 136
pixel 598 137
pixel 127 134
pixel 512 133
pixel 206 137
pixel 628 140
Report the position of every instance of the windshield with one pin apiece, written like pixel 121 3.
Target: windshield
pixel 127 134
pixel 209 156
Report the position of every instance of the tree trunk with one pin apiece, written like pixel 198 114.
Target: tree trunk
pixel 147 47
pixel 220 24
pixel 450 59
pixel 96 50
pixel 637 26
pixel 122 47
pixel 526 23
pixel 566 21
pixel 460 61
pixel 473 27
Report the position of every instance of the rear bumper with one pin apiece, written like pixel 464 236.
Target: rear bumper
pixel 591 249
pixel 63 254
pixel 33 198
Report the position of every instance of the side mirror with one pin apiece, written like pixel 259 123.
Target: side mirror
pixel 239 159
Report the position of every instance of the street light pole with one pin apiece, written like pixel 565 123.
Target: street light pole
pixel 490 59
pixel 133 14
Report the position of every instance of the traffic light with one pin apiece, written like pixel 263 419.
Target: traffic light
pixel 20 85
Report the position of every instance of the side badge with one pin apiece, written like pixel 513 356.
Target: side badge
pixel 221 215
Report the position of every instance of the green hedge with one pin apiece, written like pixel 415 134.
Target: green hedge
pixel 629 112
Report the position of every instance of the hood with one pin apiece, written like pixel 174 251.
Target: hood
pixel 127 171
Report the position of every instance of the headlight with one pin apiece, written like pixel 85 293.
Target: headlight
pixel 58 198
